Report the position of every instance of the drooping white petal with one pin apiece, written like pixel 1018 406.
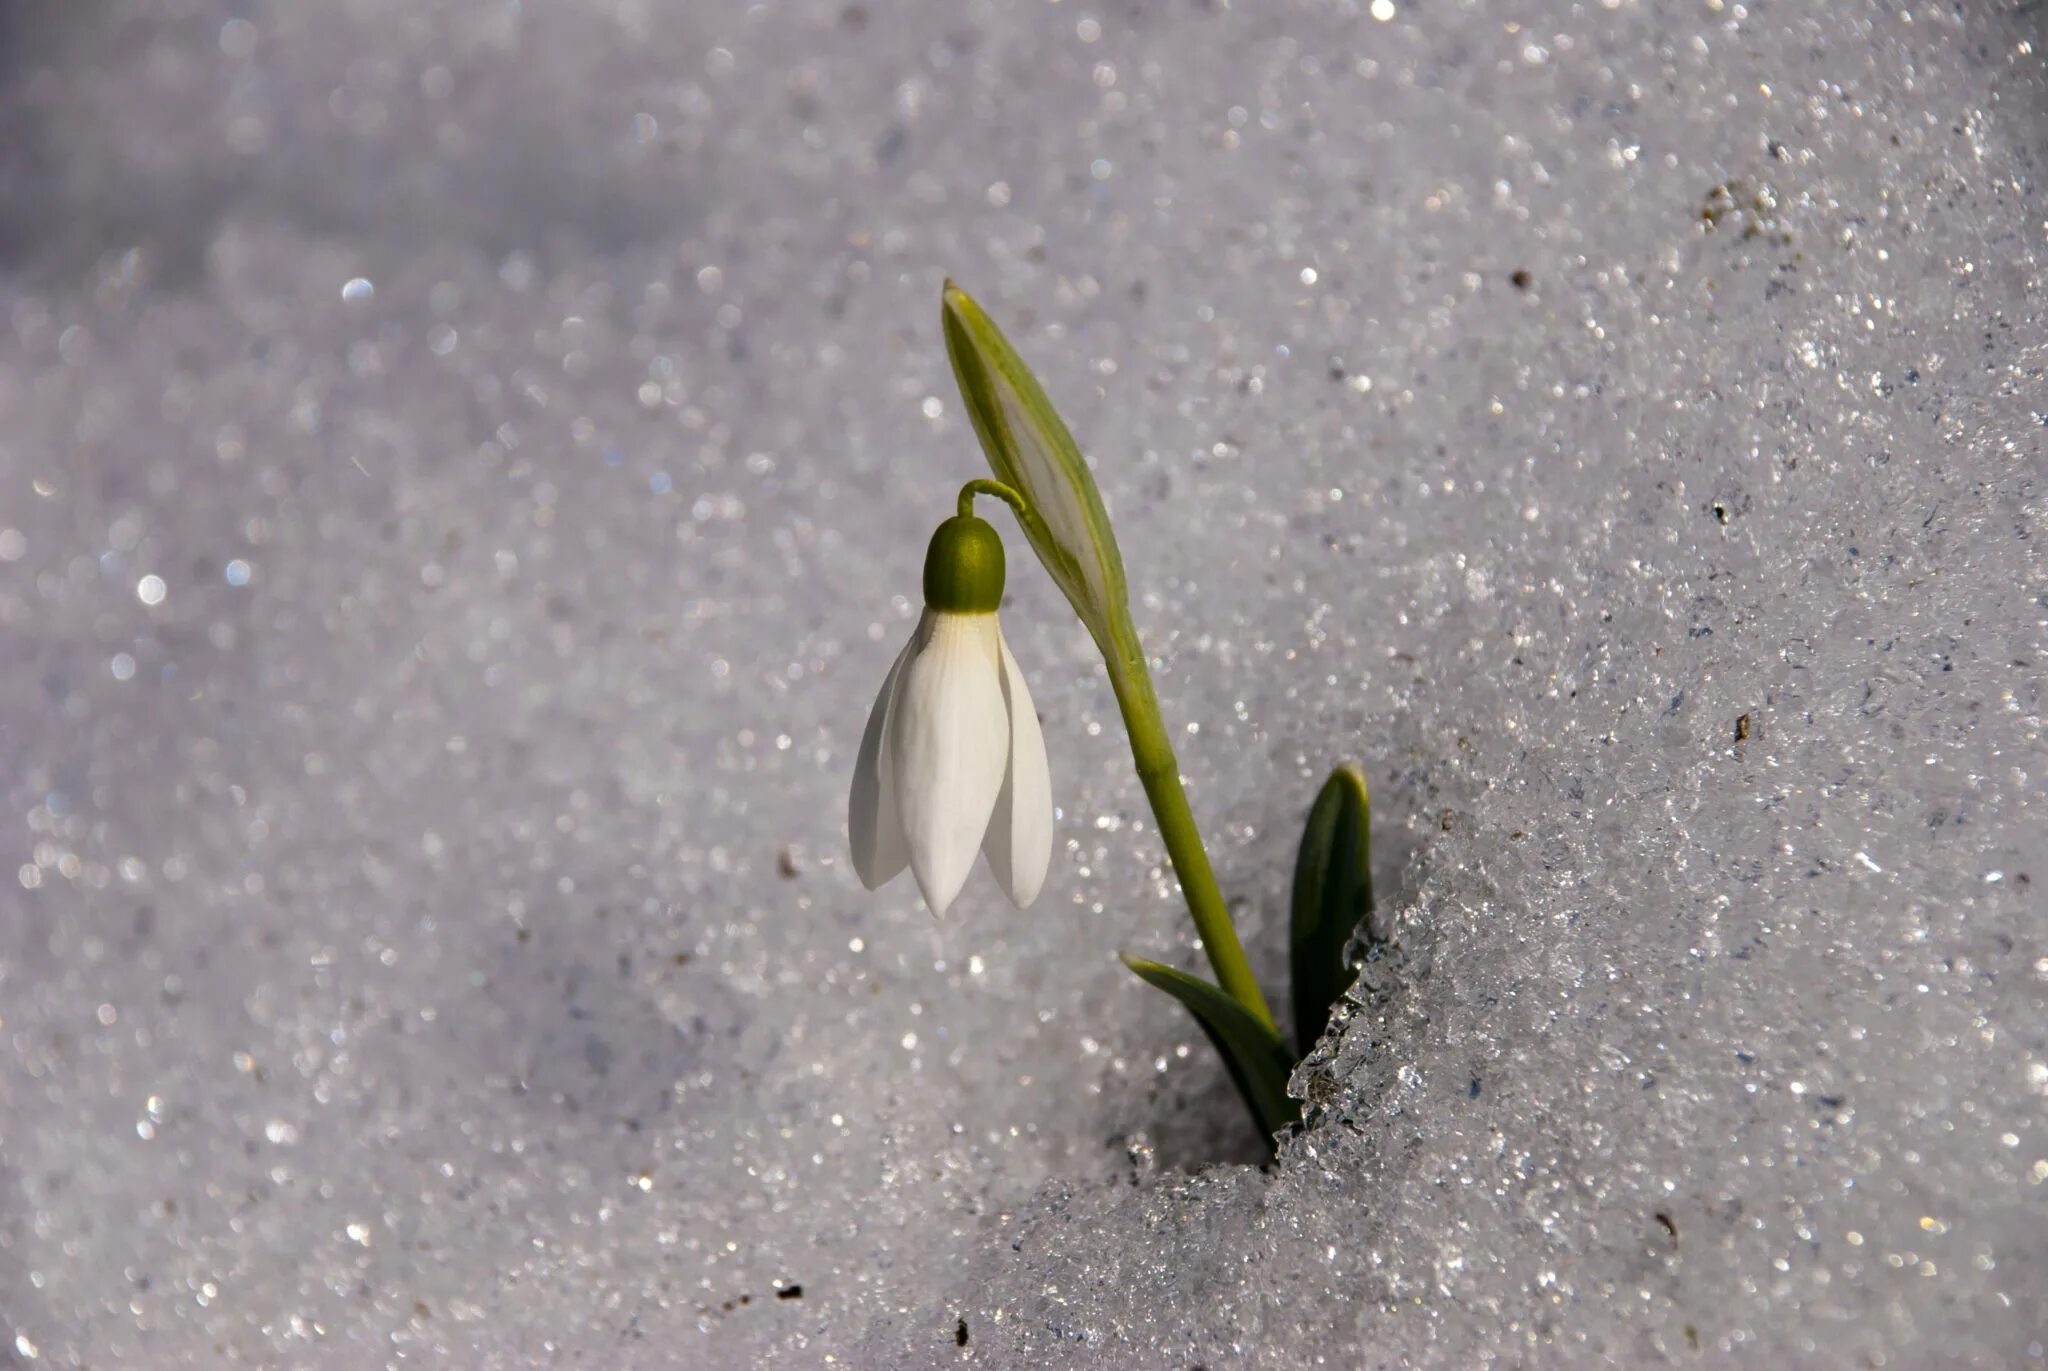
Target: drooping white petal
pixel 873 829
pixel 949 741
pixel 1019 842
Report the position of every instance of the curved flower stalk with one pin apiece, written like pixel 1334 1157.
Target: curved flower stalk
pixel 953 761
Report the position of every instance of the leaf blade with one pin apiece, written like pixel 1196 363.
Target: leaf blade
pixel 1257 1060
pixel 1332 896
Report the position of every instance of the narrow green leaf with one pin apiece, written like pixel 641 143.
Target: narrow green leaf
pixel 1258 1061
pixel 1029 448
pixel 1332 895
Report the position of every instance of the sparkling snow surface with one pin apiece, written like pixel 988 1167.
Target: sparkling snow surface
pixel 464 469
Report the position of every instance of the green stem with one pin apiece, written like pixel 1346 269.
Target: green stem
pixel 1159 772
pixel 984 486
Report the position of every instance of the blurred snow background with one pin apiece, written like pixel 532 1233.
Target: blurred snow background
pixel 463 476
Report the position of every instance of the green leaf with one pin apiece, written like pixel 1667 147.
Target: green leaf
pixel 1332 896
pixel 1258 1061
pixel 1029 449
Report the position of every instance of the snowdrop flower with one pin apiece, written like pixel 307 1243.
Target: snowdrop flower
pixel 953 761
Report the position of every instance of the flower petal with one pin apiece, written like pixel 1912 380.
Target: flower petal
pixel 873 829
pixel 949 742
pixel 1019 842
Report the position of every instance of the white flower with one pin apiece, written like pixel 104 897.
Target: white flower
pixel 953 761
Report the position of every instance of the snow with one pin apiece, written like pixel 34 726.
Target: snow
pixel 465 474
